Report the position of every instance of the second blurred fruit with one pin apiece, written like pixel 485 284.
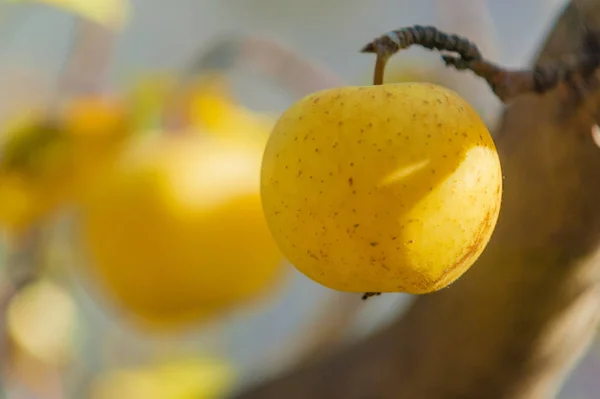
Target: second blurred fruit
pixel 175 230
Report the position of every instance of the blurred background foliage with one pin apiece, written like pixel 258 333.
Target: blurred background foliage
pixel 135 261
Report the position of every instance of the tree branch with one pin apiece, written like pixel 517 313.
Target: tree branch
pixel 518 321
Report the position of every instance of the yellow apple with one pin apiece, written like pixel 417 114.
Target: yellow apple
pixel 387 188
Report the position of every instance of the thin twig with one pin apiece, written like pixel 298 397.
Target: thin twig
pixel 506 84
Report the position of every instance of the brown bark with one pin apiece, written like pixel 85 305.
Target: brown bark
pixel 518 321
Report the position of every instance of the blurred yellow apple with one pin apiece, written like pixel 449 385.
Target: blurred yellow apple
pixel 175 230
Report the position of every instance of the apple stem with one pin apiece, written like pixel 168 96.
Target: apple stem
pixel 380 62
pixel 506 84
